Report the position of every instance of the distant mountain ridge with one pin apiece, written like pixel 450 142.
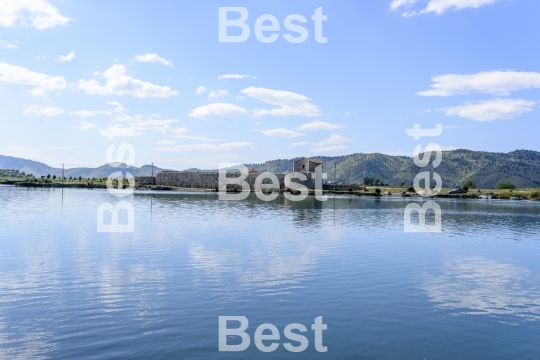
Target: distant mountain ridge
pixel 485 169
pixel 39 169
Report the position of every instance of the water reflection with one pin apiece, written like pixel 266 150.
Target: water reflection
pixel 480 286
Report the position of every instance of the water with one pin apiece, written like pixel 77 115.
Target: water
pixel 68 292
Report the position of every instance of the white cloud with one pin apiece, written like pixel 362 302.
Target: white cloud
pixel 139 126
pixel 396 4
pixel 332 143
pixel 35 110
pixel 39 13
pixel 180 133
pixel 318 125
pixel 300 143
pixel 490 110
pixel 217 110
pixel 7 45
pixel 85 126
pixel 235 76
pixel 281 132
pixel 439 6
pixel 118 83
pixel 118 109
pixel 205 147
pixel 215 95
pixel 201 90
pixel 290 103
pixel 153 58
pixel 490 82
pixel 43 83
pixel 67 58
pixel 166 142
pixel 90 113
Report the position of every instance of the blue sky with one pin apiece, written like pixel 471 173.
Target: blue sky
pixel 70 68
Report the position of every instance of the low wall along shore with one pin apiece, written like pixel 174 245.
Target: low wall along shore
pixel 210 180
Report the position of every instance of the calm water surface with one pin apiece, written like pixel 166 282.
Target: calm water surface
pixel 68 292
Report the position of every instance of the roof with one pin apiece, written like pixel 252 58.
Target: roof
pixel 310 159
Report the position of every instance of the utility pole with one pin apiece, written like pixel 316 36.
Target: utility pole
pixel 335 170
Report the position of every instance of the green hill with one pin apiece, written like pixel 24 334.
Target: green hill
pixel 485 169
pixel 39 169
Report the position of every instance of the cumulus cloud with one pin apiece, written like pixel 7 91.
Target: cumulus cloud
pixel 118 83
pixel 153 58
pixel 332 143
pixel 318 125
pixel 490 82
pixel 281 132
pixel 235 76
pixel 439 6
pixel 37 13
pixel 289 103
pixel 85 126
pixel 489 110
pixel 215 95
pixel 7 45
pixel 139 126
pixel 67 58
pixel 50 111
pixel 90 113
pixel 217 110
pixel 396 4
pixel 43 83
pixel 205 147
pixel 201 90
pixel 118 109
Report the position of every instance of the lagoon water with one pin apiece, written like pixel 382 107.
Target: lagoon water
pixel 69 292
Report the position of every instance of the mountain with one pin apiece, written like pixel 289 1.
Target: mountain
pixel 39 169
pixel 485 169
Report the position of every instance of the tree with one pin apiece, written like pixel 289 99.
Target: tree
pixel 368 181
pixel 54 177
pixel 378 191
pixel 48 176
pixel 506 185
pixel 402 184
pixel 469 185
pixel 80 178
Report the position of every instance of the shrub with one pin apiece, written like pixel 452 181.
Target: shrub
pixel 469 185
pixel 411 189
pixel 402 184
pixel 378 191
pixel 535 195
pixel 506 185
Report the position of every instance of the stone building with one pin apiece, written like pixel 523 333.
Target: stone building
pixel 306 165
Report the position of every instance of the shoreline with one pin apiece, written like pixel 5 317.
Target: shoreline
pixel 528 194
